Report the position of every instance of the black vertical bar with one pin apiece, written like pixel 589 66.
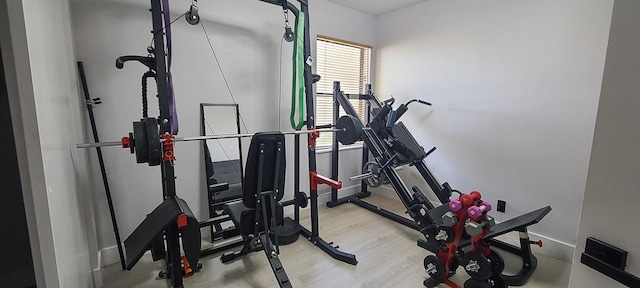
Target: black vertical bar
pixel 168 176
pixel 103 171
pixel 365 150
pixel 274 196
pixel 296 177
pixel 259 195
pixel 311 122
pixel 335 149
pixel 442 194
pixel 239 143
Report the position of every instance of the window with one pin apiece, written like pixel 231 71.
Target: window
pixel 344 61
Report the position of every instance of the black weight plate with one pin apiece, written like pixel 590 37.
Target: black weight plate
pixel 472 283
pixel 140 142
pixel 447 230
pixel 376 179
pixel 385 179
pixel 153 142
pixel 434 268
pixel 352 130
pixel 288 232
pixel 497 262
pixel 373 181
pixel 303 200
pixel 476 265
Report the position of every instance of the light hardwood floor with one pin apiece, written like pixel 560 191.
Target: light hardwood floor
pixel 386 251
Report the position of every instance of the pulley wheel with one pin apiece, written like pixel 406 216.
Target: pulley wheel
pixel 352 130
pixel 153 141
pixel 140 142
pixel 476 265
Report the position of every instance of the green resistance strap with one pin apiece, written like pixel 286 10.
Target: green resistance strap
pixel 297 85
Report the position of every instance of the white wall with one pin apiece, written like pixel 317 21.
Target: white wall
pixel 610 210
pixel 45 110
pixel 246 35
pixel 514 87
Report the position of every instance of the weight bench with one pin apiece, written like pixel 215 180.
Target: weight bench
pixel 258 213
pixel 149 235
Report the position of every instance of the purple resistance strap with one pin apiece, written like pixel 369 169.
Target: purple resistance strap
pixel 173 113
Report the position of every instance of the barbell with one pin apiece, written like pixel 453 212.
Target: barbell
pixel 151 147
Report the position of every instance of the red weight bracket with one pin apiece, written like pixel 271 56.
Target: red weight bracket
pixel 182 220
pixel 167 151
pixel 319 179
pixel 126 142
pixel 312 137
pixel 188 272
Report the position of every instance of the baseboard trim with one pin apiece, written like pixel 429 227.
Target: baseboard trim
pixel 97 272
pixel 109 255
pixel 325 196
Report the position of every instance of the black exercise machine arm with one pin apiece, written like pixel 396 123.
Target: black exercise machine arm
pixel 147 61
pixel 404 107
pixel 290 6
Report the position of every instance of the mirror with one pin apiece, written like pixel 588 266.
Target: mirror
pixel 222 157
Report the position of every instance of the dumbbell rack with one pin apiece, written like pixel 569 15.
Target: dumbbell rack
pixel 426 217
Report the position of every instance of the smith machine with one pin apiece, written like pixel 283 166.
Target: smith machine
pixel 459 232
pixel 172 223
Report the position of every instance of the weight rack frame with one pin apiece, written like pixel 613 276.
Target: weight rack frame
pixel 417 201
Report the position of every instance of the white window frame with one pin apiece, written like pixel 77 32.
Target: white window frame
pixel 324 89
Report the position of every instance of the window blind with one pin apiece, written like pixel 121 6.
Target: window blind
pixel 343 61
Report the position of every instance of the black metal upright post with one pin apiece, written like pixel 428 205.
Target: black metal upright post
pixel 311 121
pixel 335 148
pixel 296 177
pixel 173 259
pixel 314 234
pixel 107 191
pixel 365 150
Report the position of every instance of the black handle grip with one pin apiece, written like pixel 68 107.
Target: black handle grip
pixel 120 63
pixel 424 102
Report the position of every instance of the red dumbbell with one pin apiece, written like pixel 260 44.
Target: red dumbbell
pixel 466 200
pixel 475 195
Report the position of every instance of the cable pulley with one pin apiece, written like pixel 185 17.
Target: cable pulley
pixel 192 15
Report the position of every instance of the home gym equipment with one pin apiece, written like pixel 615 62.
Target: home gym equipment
pixel 90 102
pixel 172 223
pixel 138 141
pixel 257 213
pixel 392 145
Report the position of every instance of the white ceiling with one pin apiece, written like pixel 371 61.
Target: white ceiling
pixel 377 7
